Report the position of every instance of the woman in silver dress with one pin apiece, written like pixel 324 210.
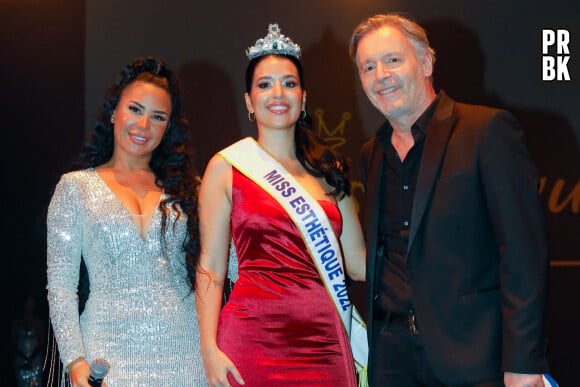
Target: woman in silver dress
pixel 131 216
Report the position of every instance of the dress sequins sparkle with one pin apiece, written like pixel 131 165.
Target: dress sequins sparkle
pixel 140 314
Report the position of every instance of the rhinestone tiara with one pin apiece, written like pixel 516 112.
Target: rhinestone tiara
pixel 273 43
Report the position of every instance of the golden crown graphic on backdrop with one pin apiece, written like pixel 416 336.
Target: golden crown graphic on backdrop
pixel 334 137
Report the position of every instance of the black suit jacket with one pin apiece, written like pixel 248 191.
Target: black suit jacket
pixel 477 257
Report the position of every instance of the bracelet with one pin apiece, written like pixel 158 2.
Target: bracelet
pixel 74 362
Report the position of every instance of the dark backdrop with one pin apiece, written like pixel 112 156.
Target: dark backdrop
pixel 41 101
pixel 59 55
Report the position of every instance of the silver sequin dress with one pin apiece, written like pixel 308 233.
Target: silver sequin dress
pixel 140 314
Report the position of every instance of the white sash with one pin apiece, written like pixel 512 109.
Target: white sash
pixel 311 220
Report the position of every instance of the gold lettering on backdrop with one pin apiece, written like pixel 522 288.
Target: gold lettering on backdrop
pixel 542 184
pixel 558 198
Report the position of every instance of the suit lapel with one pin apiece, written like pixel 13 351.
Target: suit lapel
pixel 436 139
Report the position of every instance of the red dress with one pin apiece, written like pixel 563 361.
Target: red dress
pixel 279 326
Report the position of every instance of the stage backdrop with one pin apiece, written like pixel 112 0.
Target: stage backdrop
pixel 63 53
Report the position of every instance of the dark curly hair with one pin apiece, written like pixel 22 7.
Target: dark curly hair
pixel 315 155
pixel 171 162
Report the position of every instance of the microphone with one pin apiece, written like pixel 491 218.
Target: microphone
pixel 99 369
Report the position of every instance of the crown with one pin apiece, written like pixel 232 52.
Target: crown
pixel 273 43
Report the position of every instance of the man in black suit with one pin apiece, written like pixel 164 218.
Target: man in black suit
pixel 456 244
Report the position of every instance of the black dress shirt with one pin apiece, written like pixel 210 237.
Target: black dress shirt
pixel 399 179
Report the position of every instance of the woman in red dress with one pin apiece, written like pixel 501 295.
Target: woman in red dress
pixel 279 326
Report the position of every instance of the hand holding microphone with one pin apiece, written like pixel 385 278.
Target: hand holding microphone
pixel 99 369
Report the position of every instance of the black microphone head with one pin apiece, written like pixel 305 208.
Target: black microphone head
pixel 99 368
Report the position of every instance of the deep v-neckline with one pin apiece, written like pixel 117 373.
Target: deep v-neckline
pixel 142 232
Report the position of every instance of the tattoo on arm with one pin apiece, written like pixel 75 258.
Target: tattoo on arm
pixel 218 284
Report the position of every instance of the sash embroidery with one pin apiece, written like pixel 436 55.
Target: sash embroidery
pixel 311 220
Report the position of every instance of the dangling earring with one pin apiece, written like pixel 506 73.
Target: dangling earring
pixel 113 116
pixel 303 113
pixel 251 117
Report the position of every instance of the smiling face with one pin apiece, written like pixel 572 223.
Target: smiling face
pixel 140 119
pixel 394 74
pixel 276 96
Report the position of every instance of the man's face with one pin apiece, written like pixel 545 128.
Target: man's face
pixel 393 76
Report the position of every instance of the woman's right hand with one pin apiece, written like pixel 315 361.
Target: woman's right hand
pixel 79 373
pixel 217 368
